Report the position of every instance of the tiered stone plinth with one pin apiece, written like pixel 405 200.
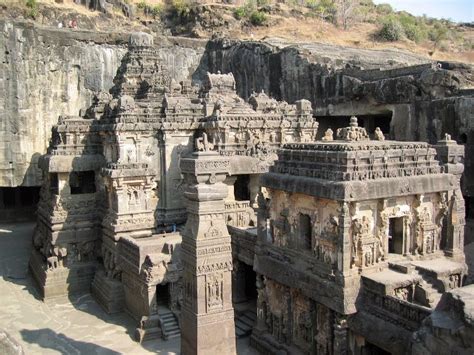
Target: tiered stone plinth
pixel 108 292
pixel 207 313
pixel 75 278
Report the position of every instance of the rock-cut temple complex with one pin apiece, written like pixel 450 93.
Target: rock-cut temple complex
pixel 211 218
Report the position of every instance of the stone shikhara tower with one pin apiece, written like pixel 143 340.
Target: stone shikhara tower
pixel 207 312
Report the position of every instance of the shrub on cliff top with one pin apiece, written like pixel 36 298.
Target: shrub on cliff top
pixel 181 8
pixel 391 30
pixel 258 18
pixel 32 5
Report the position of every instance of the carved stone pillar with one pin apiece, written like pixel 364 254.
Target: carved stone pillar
pixel 340 335
pixel 207 313
pixel 254 187
pixel 346 247
pixel 451 155
pixel 262 219
pixel 230 181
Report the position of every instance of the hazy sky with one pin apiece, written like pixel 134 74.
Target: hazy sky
pixel 457 10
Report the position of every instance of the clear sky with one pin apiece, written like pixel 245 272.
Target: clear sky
pixel 456 10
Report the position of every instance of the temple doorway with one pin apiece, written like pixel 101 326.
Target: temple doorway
pixel 244 298
pixel 395 235
pixel 241 188
pixel 162 295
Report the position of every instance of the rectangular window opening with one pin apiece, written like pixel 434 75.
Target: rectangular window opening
pixel 305 231
pixel 82 182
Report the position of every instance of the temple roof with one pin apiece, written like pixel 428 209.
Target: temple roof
pixel 353 166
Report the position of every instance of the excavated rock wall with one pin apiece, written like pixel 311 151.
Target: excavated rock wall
pixel 48 72
pixel 45 74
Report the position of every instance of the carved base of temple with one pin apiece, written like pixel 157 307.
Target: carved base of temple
pixel 266 344
pixel 61 281
pixel 108 293
pixel 149 328
pixel 170 217
pixel 213 333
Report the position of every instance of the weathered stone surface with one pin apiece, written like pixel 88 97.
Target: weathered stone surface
pixel 207 312
pixel 450 328
pixel 48 72
pixel 333 263
pixel 44 74
pixel 8 345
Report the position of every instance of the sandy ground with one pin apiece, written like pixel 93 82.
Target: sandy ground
pixel 69 325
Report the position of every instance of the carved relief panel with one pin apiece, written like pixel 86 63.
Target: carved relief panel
pixel 214 291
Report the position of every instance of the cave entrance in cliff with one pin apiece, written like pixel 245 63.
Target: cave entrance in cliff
pixel 18 202
pixel 369 122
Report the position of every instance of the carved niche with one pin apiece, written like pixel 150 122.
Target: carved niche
pixel 214 291
pixel 364 244
pixel 427 233
pixel 325 245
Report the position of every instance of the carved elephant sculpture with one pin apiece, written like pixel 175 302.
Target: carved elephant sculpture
pixel 53 262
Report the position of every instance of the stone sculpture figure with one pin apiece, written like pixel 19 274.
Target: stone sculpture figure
pixel 379 134
pixel 328 135
pixel 203 145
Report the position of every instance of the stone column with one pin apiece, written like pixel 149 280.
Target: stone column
pixel 230 181
pixel 451 156
pixel 340 334
pixel 254 187
pixel 207 313
pixel 344 257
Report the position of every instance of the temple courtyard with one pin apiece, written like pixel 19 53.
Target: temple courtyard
pixel 68 325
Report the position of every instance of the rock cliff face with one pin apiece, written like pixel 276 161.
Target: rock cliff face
pixel 45 73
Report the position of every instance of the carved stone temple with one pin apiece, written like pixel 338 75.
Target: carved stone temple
pixel 357 241
pixel 209 217
pixel 112 206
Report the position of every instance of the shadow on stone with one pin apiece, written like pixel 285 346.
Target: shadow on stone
pixel 48 339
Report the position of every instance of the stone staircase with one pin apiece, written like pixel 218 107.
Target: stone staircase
pixel 169 323
pixel 429 296
pixel 431 286
pixel 244 322
pixel 427 291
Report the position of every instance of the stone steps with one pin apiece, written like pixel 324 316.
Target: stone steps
pixel 432 294
pixel 244 323
pixel 169 324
